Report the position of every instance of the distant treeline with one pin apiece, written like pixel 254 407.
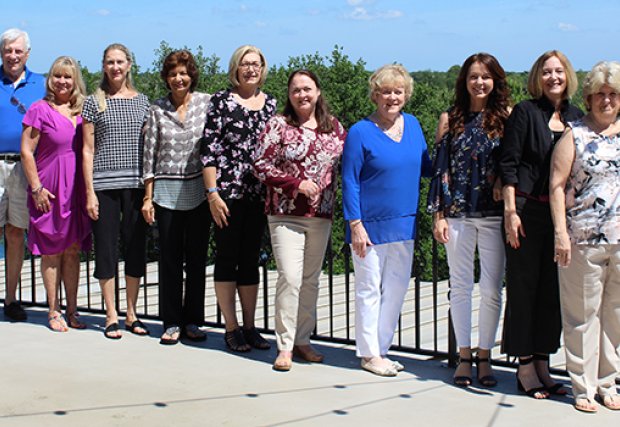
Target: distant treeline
pixel 345 85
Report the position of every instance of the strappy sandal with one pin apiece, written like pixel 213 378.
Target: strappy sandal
pixel 57 322
pixel 194 333
pixel 73 321
pixel 556 388
pixel 112 327
pixel 235 341
pixel 534 391
pixel 255 339
pixel 611 401
pixel 137 328
pixel 463 380
pixel 487 380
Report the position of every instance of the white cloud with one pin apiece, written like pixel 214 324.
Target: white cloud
pixel 354 2
pixel 243 8
pixel 362 14
pixel 359 14
pixel 563 26
pixel 260 24
pixel 102 12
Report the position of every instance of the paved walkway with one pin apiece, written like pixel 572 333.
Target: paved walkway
pixel 80 378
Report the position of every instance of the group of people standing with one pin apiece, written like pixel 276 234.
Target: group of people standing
pixel 113 163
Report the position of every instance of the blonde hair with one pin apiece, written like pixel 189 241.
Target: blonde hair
pixel 534 80
pixel 104 86
pixel 78 93
pixel 389 76
pixel 235 60
pixel 603 73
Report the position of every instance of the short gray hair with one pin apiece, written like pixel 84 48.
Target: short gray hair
pixel 13 34
pixel 603 73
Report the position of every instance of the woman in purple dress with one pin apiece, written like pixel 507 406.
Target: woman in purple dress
pixel 51 156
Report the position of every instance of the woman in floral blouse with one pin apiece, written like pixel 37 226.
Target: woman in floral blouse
pixel 587 239
pixel 174 195
pixel 297 160
pixel 236 198
pixel 465 211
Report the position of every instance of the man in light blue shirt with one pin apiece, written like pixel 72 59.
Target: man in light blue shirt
pixel 19 87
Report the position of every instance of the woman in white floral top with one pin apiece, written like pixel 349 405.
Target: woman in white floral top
pixel 297 160
pixel 585 204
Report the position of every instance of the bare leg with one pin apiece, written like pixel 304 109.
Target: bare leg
pixel 70 272
pixel 132 289
pixel 247 296
pixel 484 369
pixel 528 377
pixel 111 316
pixel 226 293
pixel 50 271
pixel 464 368
pixel 14 259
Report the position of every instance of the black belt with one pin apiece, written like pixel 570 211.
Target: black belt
pixel 10 157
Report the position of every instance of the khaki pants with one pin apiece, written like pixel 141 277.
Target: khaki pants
pixel 590 300
pixel 298 245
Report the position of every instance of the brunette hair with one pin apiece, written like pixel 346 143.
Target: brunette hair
pixel 534 80
pixel 104 86
pixel 496 110
pixel 62 64
pixel 180 58
pixel 321 109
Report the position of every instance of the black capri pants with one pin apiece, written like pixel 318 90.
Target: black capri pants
pixel 238 244
pixel 119 211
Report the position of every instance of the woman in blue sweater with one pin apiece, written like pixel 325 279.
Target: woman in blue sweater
pixel 384 157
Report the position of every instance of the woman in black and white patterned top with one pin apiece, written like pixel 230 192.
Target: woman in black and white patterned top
pixel 175 195
pixel 236 198
pixel 113 149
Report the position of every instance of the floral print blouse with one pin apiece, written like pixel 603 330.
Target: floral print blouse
pixel 288 155
pixel 230 140
pixel 464 172
pixel 593 189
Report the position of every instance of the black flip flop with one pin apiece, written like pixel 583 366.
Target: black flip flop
pixel 112 327
pixel 135 325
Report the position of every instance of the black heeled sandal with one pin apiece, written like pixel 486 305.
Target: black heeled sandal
pixel 557 388
pixel 487 380
pixel 463 380
pixel 532 391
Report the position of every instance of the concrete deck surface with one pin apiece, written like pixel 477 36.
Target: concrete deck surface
pixel 81 378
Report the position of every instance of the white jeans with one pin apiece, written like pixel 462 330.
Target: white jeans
pixel 381 282
pixel 465 234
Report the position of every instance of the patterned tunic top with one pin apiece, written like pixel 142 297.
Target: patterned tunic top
pixel 288 155
pixel 231 139
pixel 118 141
pixel 464 172
pixel 593 190
pixel 172 152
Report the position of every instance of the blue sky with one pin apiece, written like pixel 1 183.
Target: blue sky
pixel 420 34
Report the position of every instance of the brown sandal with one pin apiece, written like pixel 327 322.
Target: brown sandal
pixel 73 321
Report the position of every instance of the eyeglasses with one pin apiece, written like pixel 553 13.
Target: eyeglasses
pixel 248 65
pixel 20 107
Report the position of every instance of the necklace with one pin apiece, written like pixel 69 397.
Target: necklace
pixel 394 131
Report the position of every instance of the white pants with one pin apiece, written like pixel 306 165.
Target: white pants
pixel 465 234
pixel 298 245
pixel 590 301
pixel 381 282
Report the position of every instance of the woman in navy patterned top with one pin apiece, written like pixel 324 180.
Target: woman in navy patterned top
pixel 466 214
pixel 235 119
pixel 112 158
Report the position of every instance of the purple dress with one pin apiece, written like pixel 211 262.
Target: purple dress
pixel 59 158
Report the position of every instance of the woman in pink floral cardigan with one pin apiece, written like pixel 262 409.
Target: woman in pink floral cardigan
pixel 297 161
